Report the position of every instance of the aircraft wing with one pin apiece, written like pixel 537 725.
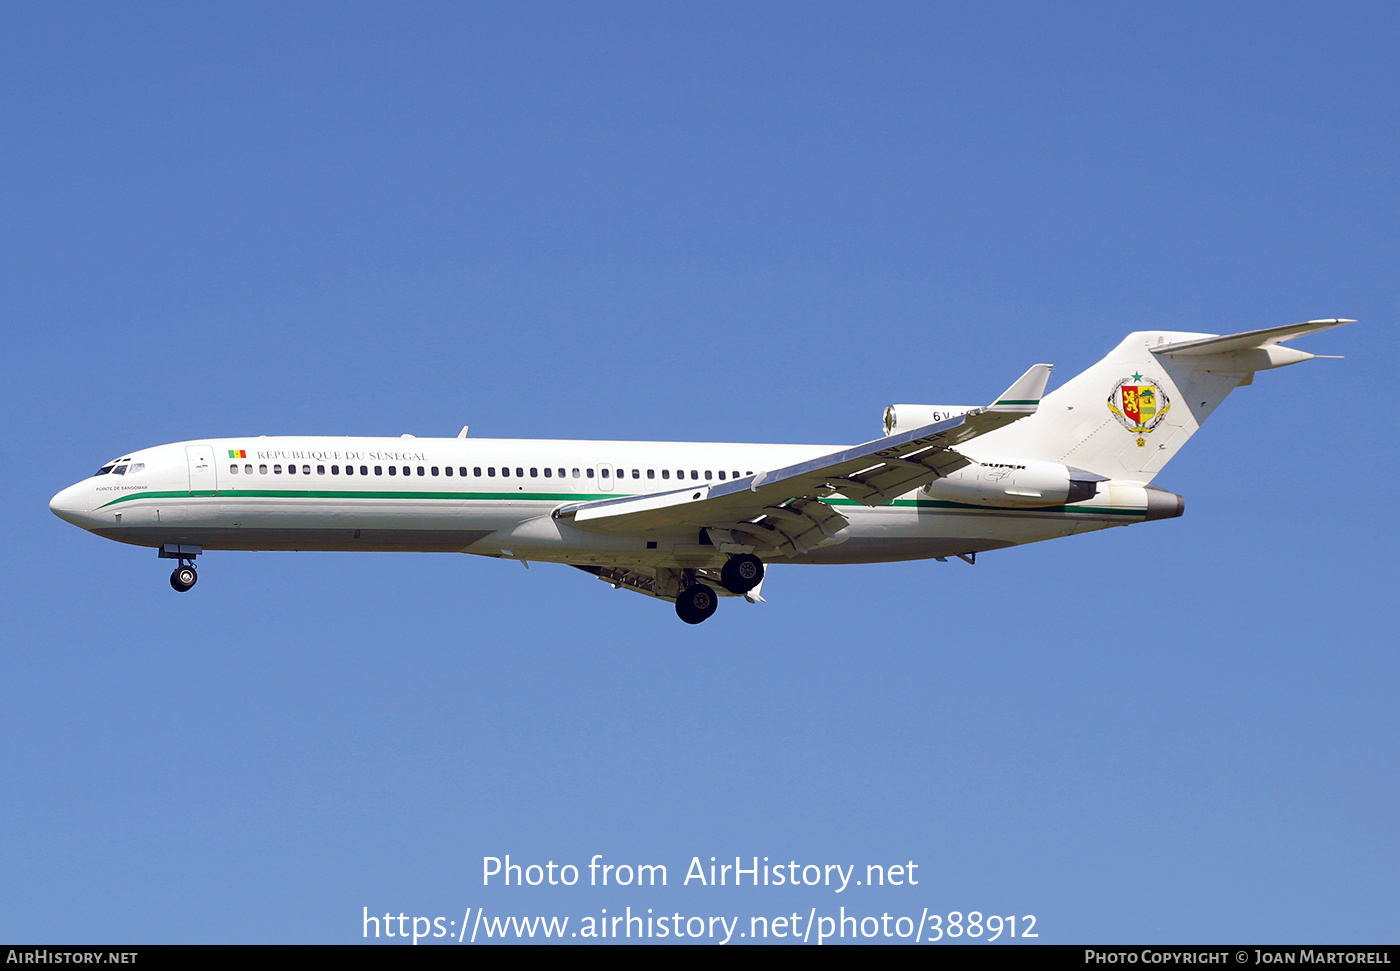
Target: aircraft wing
pixel 780 509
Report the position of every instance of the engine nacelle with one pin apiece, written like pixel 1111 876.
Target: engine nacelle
pixel 1013 483
pixel 901 418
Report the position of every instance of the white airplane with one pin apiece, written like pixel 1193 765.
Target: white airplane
pixel 692 522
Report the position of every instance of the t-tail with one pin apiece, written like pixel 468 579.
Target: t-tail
pixel 1125 417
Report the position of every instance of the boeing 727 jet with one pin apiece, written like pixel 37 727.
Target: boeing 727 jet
pixel 695 522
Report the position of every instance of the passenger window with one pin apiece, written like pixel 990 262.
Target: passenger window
pixel 603 473
pixel 233 469
pixel 407 470
pixel 588 473
pixel 291 469
pixel 561 473
pixel 534 473
pixel 709 475
pixel 378 469
pixel 636 473
pixel 393 470
pixel 277 470
pixel 335 469
pixel 651 473
pixel 364 470
pixel 576 473
pixel 248 470
pixel 491 471
pixel 548 473
pixel 520 473
pixel 320 470
pixel 694 474
pixel 420 471
pixel 262 470
pixel 665 473
pixel 435 470
pixel 505 471
pixel 721 475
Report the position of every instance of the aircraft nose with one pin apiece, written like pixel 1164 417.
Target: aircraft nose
pixel 70 505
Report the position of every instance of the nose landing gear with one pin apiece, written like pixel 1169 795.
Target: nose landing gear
pixel 184 576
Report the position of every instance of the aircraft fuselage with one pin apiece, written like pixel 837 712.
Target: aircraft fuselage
pixel 495 497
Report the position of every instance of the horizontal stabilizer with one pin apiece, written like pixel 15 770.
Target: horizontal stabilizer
pixel 1248 340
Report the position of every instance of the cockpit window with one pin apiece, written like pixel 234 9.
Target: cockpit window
pixel 104 470
pixel 119 470
pixel 136 467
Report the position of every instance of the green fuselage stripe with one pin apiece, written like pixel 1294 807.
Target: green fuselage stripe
pixel 347 494
pixel 575 497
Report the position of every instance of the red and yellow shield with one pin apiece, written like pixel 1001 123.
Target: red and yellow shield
pixel 1139 404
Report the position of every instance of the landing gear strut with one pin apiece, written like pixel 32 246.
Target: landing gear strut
pixel 184 576
pixel 741 573
pixel 696 603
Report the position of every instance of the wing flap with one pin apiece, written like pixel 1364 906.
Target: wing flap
pixel 794 527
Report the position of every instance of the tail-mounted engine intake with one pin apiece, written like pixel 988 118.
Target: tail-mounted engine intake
pixel 901 418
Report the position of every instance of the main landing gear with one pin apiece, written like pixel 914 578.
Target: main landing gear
pixel 696 602
pixel 184 577
pixel 741 573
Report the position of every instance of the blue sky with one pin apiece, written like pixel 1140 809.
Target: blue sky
pixel 701 222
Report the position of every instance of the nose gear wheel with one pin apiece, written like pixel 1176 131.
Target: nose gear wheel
pixel 183 578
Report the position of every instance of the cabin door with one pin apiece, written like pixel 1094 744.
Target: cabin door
pixel 202 476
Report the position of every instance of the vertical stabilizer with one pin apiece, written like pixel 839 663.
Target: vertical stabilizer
pixel 1126 416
